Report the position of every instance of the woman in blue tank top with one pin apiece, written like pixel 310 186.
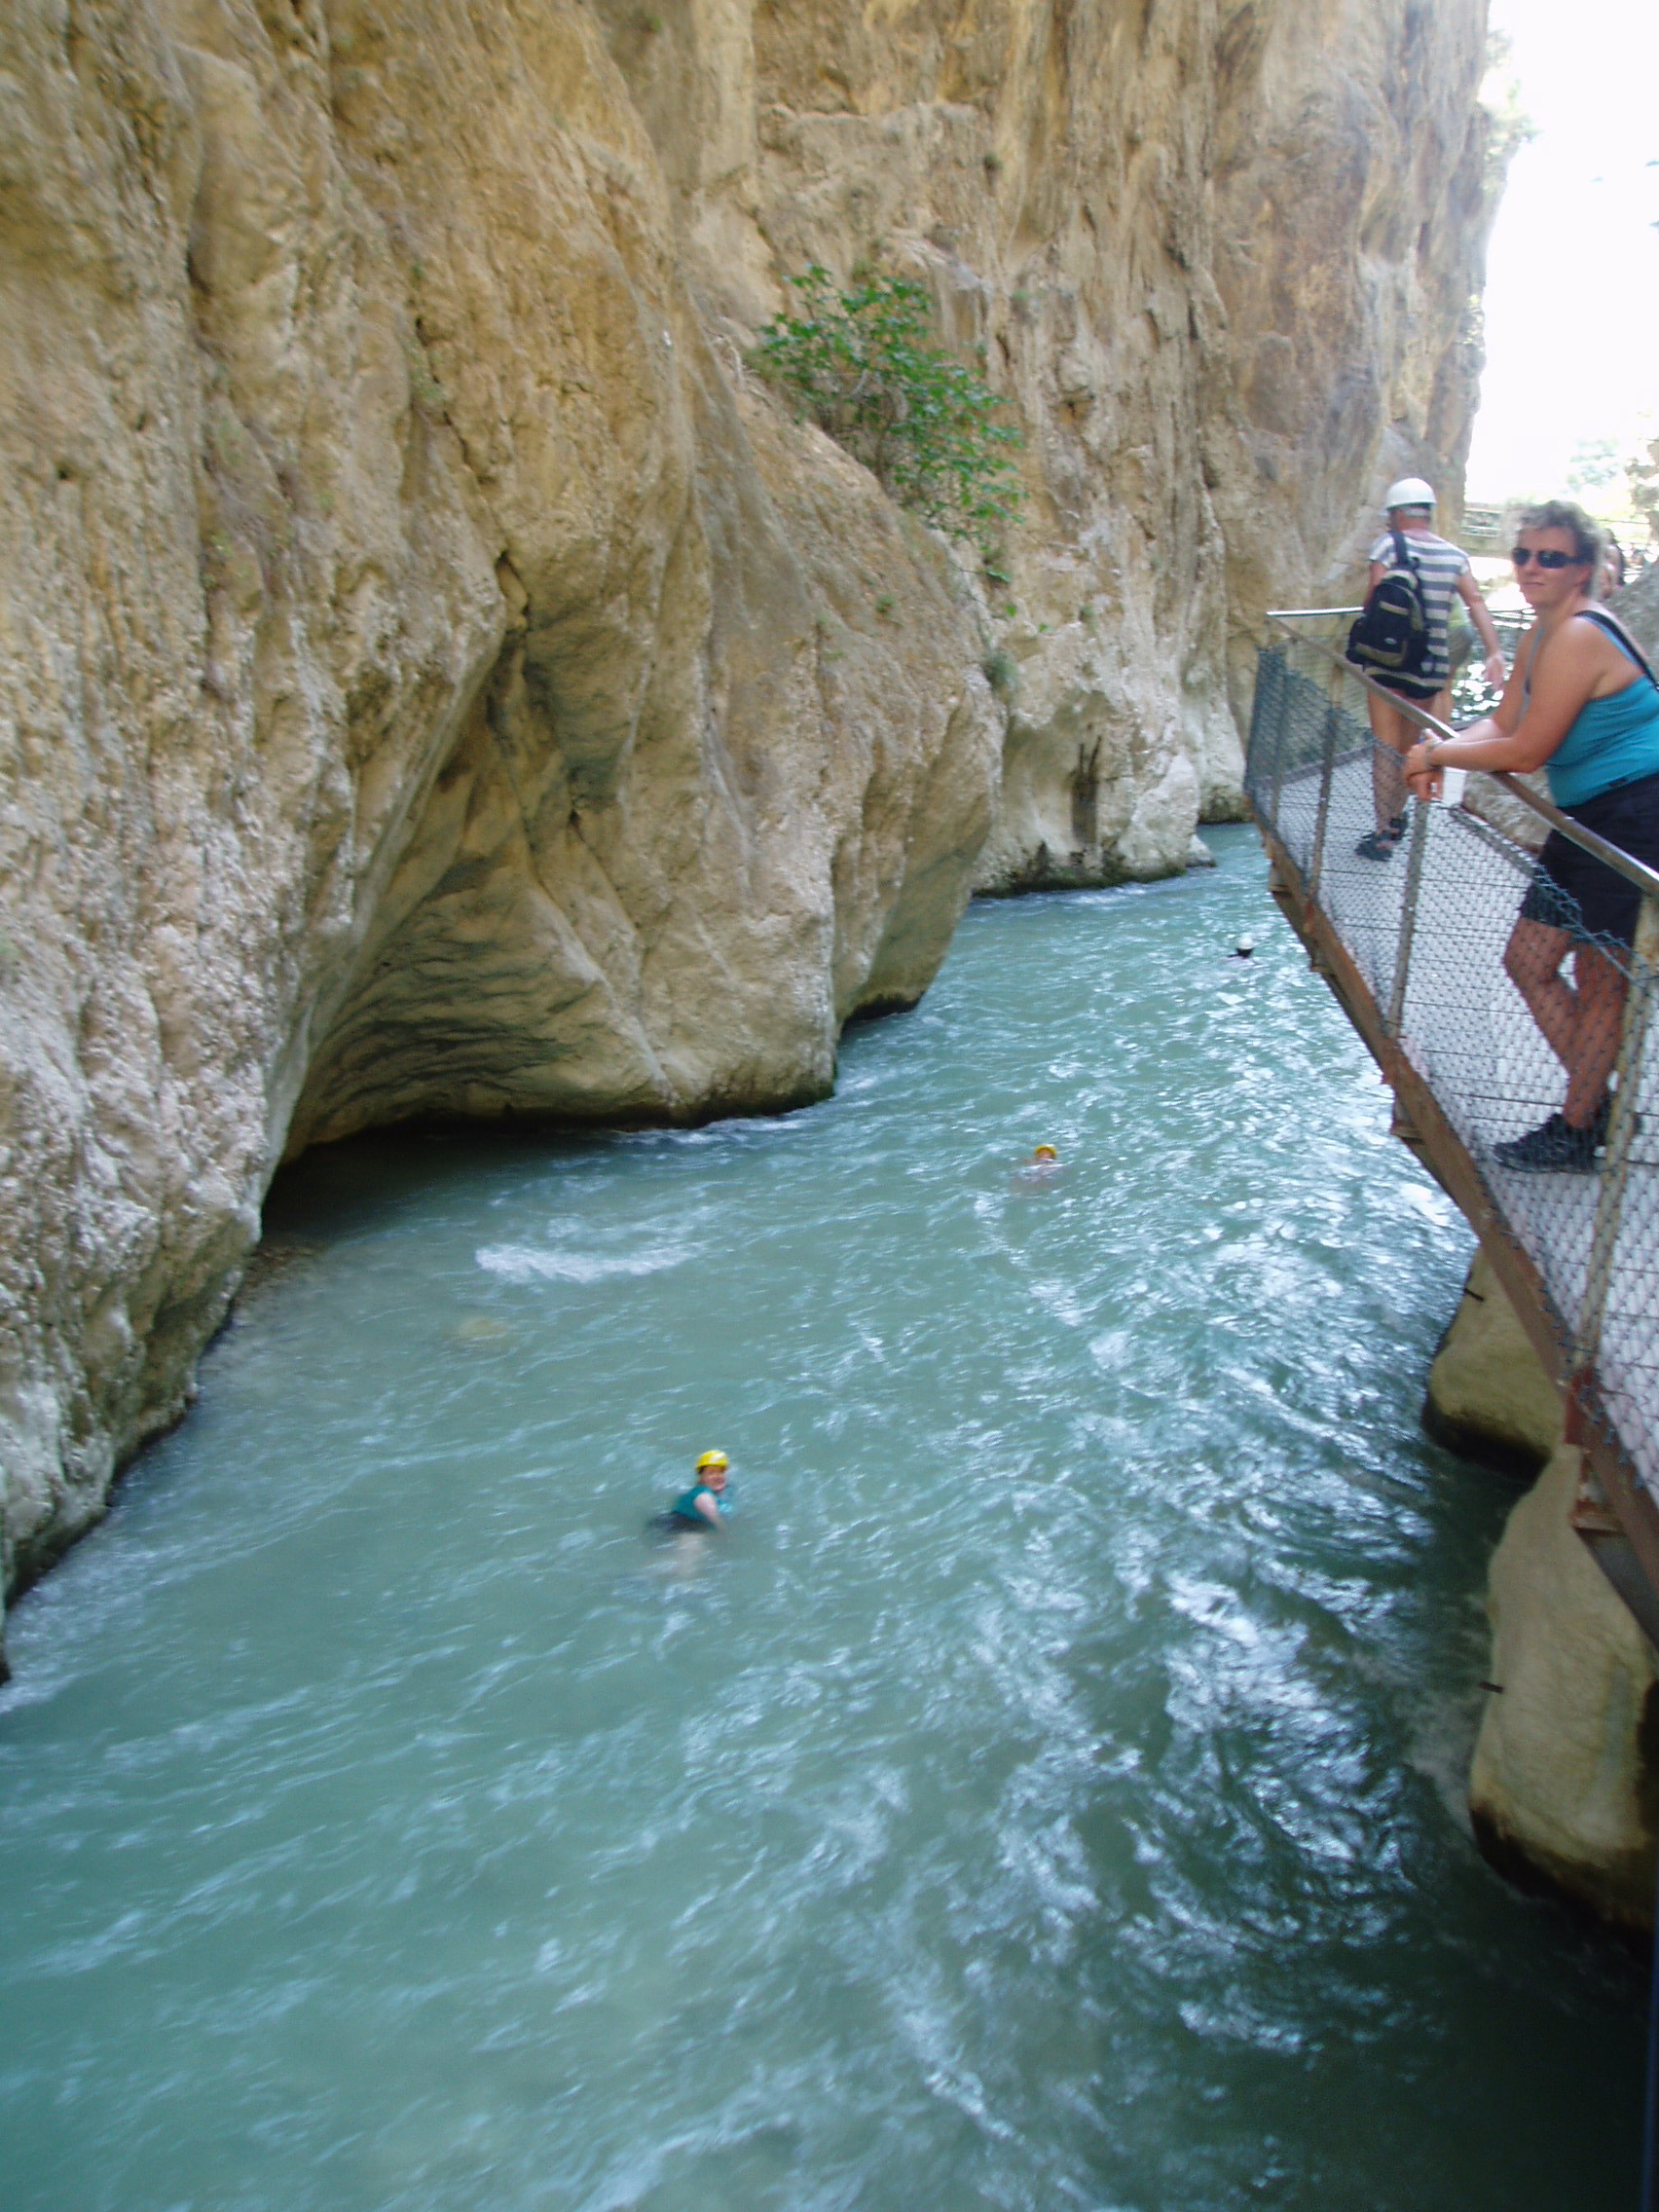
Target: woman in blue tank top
pixel 1580 706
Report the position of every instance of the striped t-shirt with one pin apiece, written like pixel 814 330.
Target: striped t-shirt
pixel 1439 564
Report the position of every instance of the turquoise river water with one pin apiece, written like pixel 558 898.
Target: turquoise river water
pixel 1048 1795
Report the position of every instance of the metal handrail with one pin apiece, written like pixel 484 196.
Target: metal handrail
pixel 1634 871
pixel 1452 1090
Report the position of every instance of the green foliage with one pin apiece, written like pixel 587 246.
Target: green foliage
pixel 1597 466
pixel 1509 126
pixel 1001 674
pixel 863 366
pixel 1641 478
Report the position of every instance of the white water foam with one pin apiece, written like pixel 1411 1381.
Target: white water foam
pixel 527 1263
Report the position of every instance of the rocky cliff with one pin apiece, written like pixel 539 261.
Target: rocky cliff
pixel 1637 605
pixel 435 676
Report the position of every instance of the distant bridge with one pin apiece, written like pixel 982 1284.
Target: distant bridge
pixel 1412 949
pixel 1484 531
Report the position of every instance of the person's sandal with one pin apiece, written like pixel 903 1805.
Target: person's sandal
pixel 1377 845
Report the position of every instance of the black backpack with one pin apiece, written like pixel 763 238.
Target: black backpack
pixel 1391 636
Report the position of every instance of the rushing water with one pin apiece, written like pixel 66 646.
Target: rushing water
pixel 1048 1793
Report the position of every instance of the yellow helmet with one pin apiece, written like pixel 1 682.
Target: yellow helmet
pixel 1045 1152
pixel 707 1460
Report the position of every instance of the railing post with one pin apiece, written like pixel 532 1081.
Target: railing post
pixel 1281 716
pixel 1407 920
pixel 1265 719
pixel 1621 1136
pixel 1327 775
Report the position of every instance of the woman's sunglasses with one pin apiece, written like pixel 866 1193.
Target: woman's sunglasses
pixel 1549 557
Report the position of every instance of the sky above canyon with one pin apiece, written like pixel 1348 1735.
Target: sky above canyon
pixel 1572 281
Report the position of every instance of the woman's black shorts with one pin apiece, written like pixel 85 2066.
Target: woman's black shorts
pixel 1571 889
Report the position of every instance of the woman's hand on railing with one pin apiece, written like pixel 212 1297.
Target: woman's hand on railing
pixel 1424 781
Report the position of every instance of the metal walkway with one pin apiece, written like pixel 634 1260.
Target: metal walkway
pixel 1412 947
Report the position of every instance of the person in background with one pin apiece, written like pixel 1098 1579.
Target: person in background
pixel 1580 706
pixel 1444 570
pixel 1614 566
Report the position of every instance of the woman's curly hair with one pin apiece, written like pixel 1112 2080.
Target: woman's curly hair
pixel 1566 514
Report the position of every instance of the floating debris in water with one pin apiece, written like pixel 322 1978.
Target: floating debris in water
pixel 482 1329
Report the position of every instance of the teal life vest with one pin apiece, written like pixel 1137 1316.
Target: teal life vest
pixel 686 1506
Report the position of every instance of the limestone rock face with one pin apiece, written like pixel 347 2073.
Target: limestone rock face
pixel 1224 261
pixel 1560 1791
pixel 435 677
pixel 1637 606
pixel 432 680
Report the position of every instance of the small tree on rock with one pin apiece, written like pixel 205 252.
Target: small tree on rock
pixel 863 365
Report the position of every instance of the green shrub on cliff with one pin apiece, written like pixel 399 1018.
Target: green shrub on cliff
pixel 863 367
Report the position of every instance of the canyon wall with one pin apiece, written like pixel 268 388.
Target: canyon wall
pixel 435 676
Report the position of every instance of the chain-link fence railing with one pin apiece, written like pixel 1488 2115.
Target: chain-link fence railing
pixel 1530 1029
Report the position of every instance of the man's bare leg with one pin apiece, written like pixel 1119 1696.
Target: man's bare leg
pixel 1395 733
pixel 1394 736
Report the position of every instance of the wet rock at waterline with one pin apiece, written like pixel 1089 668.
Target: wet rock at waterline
pixel 1562 1789
pixel 1489 1395
pixel 438 679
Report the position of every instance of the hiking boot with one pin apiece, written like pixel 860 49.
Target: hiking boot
pixel 1379 846
pixel 1555 1147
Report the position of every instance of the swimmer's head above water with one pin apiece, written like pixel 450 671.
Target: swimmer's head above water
pixel 703 1505
pixel 713 1469
pixel 1044 1152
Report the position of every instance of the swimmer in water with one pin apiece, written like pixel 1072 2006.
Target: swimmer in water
pixel 1245 947
pixel 704 1505
pixel 1040 1170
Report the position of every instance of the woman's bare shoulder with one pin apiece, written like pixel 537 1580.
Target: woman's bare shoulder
pixel 1581 653
pixel 1590 640
pixel 1576 640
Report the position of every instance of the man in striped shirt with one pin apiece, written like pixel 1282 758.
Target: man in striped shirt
pixel 1442 570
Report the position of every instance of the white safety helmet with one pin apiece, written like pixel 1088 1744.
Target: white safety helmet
pixel 1409 492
